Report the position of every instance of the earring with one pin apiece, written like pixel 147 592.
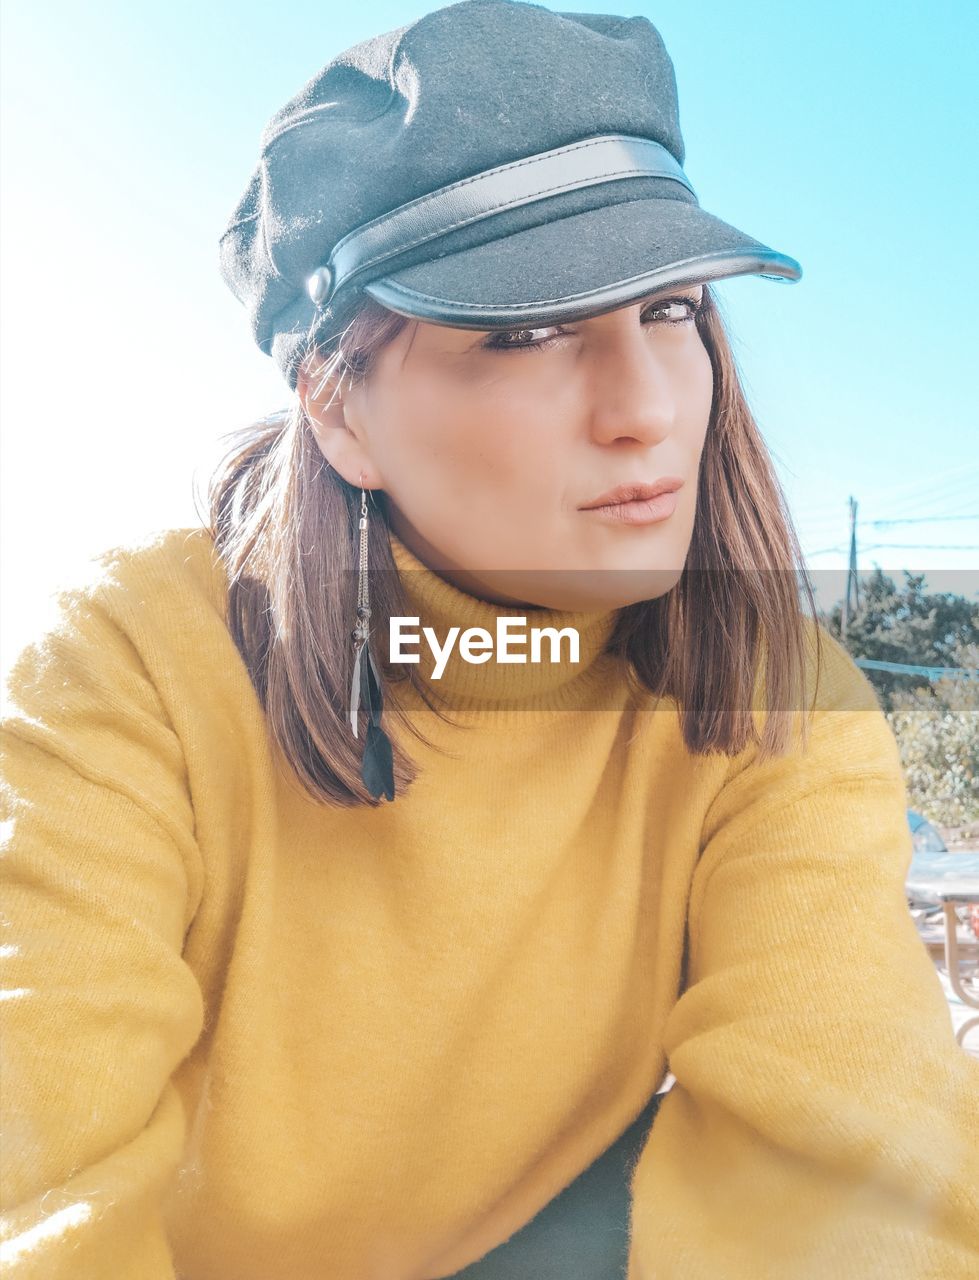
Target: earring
pixel 377 765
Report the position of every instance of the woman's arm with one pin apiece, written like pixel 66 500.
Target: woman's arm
pixel 823 1124
pixel 101 878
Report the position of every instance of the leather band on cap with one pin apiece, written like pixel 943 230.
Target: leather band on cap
pixel 568 168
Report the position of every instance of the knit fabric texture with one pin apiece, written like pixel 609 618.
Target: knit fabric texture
pixel 247 1036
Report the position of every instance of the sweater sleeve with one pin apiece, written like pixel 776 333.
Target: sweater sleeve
pixel 823 1121
pixel 101 877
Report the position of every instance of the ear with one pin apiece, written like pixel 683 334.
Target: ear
pixel 319 385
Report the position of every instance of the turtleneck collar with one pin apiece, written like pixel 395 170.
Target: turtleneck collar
pixel 467 685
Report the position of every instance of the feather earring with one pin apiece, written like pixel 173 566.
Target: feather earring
pixel 377 765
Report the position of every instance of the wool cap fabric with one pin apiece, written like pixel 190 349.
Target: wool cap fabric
pixel 493 165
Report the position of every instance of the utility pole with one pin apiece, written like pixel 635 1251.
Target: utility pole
pixel 852 584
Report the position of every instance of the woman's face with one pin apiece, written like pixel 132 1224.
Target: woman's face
pixel 493 452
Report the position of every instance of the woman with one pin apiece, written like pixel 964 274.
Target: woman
pixel 322 961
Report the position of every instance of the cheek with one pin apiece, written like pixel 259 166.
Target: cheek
pixel 440 445
pixel 697 378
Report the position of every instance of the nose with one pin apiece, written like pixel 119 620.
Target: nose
pixel 633 396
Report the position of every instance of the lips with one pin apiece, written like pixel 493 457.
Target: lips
pixel 625 493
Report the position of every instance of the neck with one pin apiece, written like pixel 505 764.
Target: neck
pixel 471 672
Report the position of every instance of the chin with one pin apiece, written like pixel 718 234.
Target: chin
pixel 596 590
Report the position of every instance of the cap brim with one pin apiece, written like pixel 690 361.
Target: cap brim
pixel 580 265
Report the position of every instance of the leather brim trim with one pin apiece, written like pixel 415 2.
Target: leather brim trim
pixel 705 267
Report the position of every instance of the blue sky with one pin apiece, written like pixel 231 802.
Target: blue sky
pixel 842 134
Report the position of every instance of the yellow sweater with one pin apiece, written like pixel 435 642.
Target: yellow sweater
pixel 248 1037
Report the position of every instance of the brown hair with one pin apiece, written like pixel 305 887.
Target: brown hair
pixel 285 526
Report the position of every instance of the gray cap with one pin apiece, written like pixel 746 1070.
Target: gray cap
pixel 493 164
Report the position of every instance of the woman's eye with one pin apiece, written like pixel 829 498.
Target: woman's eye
pixel 679 311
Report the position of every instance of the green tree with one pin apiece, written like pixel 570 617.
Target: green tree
pixel 904 624
pixel 937 732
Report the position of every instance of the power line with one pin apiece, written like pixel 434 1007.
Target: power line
pixel 820 514
pixel 879 524
pixel 919 546
pixel 934 487
pixel 933 673
pixel 896 546
pixel 961 491
pixel 917 499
